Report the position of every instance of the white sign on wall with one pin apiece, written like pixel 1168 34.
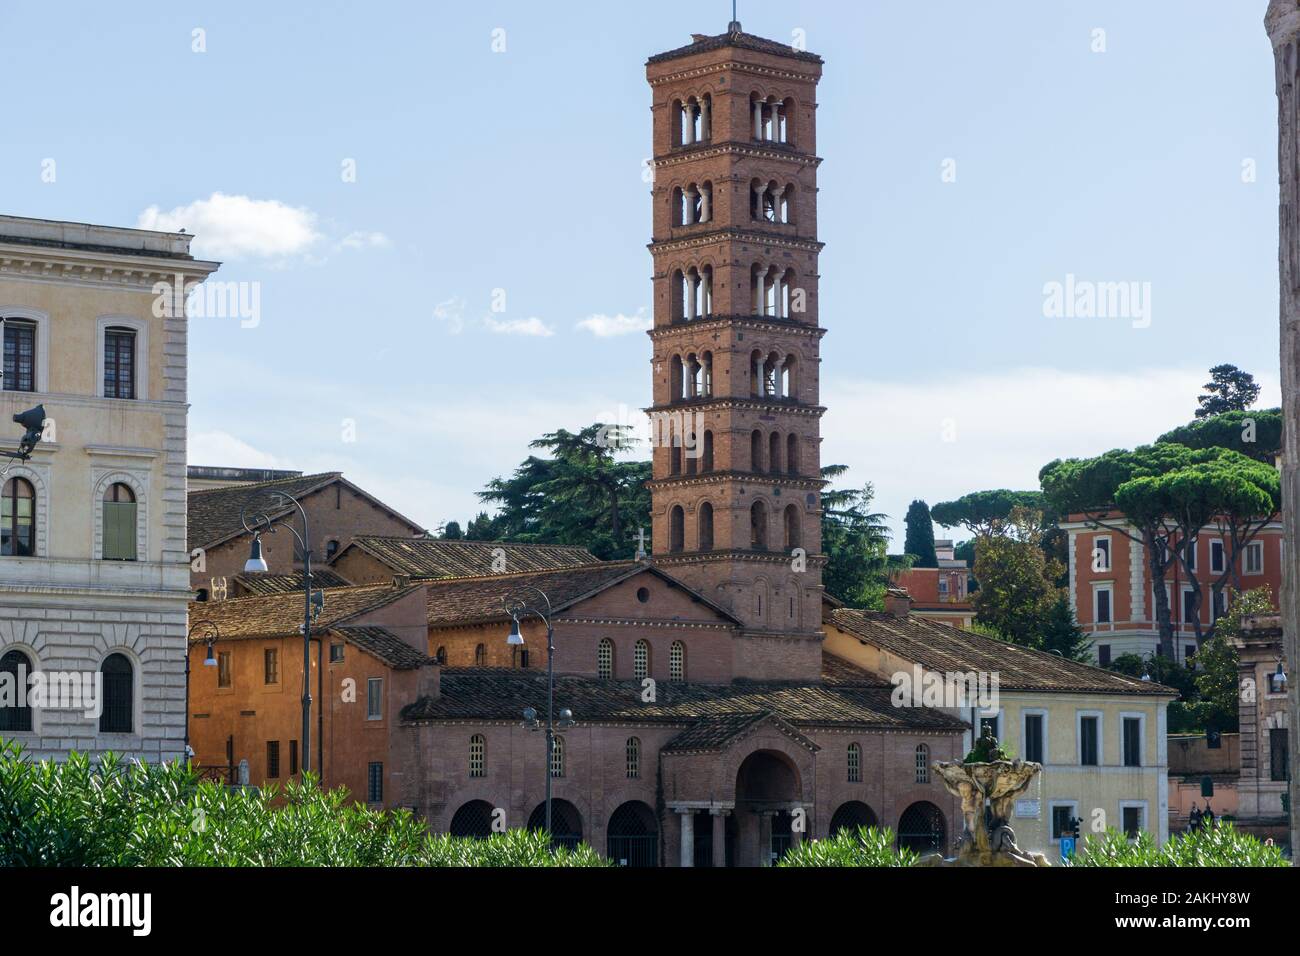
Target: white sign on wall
pixel 1028 809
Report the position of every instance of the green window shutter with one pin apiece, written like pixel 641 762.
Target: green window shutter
pixel 119 531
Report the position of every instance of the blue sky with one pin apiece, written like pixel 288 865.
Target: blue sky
pixel 521 171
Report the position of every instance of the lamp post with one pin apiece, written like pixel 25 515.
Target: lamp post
pixel 517 605
pixel 209 661
pixel 256 563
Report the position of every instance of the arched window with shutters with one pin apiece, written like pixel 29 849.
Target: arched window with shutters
pixel 641 659
pixel 14 716
pixel 18 518
pixel 557 756
pixel 922 763
pixel 633 758
pixel 855 763
pixel 118 715
pixel 477 755
pixel 677 661
pixel 119 523
pixel 605 658
pixel 480 655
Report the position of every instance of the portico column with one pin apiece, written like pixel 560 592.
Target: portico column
pixel 707 297
pixel 690 207
pixel 705 212
pixel 719 820
pixel 688 837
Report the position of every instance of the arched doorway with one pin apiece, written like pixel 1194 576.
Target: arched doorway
pixel 922 828
pixel 633 835
pixel 566 823
pixel 851 815
pixel 473 819
pixel 767 790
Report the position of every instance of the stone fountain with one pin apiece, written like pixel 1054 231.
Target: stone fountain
pixel 987 838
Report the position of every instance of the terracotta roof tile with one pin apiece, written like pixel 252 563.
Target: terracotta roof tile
pixel 739 40
pixel 942 647
pixel 502 694
pixel 278 615
pixel 383 644
pixel 438 558
pixel 269 583
pixel 213 514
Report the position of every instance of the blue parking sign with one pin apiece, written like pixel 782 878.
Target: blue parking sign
pixel 1067 847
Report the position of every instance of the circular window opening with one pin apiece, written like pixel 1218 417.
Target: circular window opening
pixel 643 595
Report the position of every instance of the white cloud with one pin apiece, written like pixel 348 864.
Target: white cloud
pixel 365 240
pixel 530 326
pixel 607 326
pixel 220 449
pixel 230 227
pixel 452 313
pixel 1005 427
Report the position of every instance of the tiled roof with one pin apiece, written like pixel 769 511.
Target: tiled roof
pixel 438 558
pixel 460 601
pixel 384 644
pixel 268 583
pixel 501 694
pixel 743 41
pixel 838 671
pixel 942 647
pixel 213 514
pixel 278 615
pixel 715 734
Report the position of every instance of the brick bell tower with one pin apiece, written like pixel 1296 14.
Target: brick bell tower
pixel 736 487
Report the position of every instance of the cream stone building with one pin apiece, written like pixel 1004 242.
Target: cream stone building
pixel 94 572
pixel 1100 735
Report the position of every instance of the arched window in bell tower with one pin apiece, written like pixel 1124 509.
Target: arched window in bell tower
pixel 756 451
pixel 789 386
pixel 774 453
pixel 758 526
pixel 675 385
pixel 792 454
pixel 676 529
pixel 706 367
pixel 792 527
pixel 706 527
pixel 706 459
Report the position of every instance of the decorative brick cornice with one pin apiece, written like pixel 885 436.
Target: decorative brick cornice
pixel 754 149
pixel 755 322
pixel 659 246
pixel 745 477
pixel 669 560
pixel 748 404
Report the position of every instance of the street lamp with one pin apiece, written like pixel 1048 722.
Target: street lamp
pixel 209 661
pixel 261 522
pixel 517 605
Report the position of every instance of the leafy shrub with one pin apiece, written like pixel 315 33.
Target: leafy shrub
pixel 865 846
pixel 115 812
pixel 1221 845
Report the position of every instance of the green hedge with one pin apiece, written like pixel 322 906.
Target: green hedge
pixel 865 846
pixel 1222 845
pixel 114 812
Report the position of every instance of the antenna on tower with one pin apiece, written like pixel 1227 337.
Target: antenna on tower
pixel 734 25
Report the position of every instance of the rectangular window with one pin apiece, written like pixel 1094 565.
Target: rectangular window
pixel 271 665
pixel 1132 730
pixel 119 363
pixel 336 653
pixel 1278 754
pixel 1189 606
pixel 375 698
pixel 293 758
pixel 1088 741
pixel 1101 554
pixel 1062 821
pixel 1103 655
pixel 376 783
pixel 19 356
pixel 1254 558
pixel 1034 738
pixel 223 669
pixel 1132 821
pixel 273 759
pixel 1220 604
pixel 1103 606
pixel 1216 556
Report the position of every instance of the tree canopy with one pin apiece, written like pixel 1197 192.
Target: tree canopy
pixel 981 512
pixel 919 540
pixel 581 494
pixel 1229 389
pixel 855 541
pixel 1256 434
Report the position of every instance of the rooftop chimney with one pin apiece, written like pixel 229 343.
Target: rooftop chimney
pixel 898 603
